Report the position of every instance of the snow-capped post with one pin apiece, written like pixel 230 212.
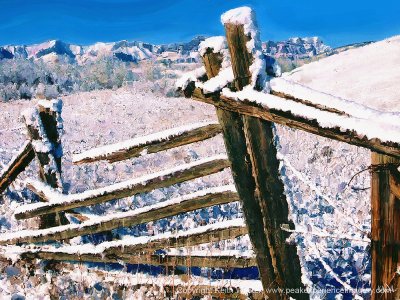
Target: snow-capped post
pixel 44 125
pixel 264 201
pixel 385 235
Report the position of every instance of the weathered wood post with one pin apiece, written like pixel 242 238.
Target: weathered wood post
pixel 235 143
pixel 43 127
pixel 244 47
pixel 385 237
pixel 255 168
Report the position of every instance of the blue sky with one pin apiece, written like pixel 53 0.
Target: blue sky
pixel 338 22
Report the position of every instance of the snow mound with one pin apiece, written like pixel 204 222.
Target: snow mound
pixel 368 75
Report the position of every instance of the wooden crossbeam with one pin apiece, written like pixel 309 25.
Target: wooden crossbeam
pixel 150 144
pixel 289 119
pixel 130 245
pixel 148 259
pixel 190 202
pixel 291 96
pixel 18 164
pixel 201 235
pixel 143 184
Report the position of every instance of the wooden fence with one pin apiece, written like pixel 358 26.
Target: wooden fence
pixel 246 116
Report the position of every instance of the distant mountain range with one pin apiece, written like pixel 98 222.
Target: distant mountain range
pixel 52 51
pixel 296 48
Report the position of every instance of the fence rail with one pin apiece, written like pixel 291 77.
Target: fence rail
pixel 152 143
pixel 58 202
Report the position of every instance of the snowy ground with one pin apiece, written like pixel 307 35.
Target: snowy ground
pixel 315 171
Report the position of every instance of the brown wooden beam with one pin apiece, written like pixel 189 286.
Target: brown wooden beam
pixel 128 188
pixel 150 144
pixel 253 109
pixel 203 235
pixel 169 208
pixel 235 144
pixel 17 165
pixel 385 235
pixel 148 259
pixel 394 182
pixel 280 266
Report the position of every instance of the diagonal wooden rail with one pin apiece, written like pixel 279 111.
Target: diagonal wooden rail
pixel 287 118
pixel 17 165
pixel 152 143
pixel 250 146
pixel 190 202
pixel 205 261
pixel 143 184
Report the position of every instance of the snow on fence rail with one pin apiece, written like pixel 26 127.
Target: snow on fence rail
pixel 376 136
pixel 151 143
pixel 134 245
pixel 59 202
pixel 202 199
pixel 17 164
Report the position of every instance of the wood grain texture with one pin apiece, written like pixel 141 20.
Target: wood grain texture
pixel 49 163
pixel 155 145
pixel 201 237
pixel 17 165
pixel 235 144
pixel 280 265
pixel 288 119
pixel 385 235
pixel 126 189
pixel 155 212
pixel 394 181
pixel 148 259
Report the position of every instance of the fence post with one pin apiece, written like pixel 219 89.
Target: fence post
pixel 270 201
pixel 43 127
pixel 385 235
pixel 235 144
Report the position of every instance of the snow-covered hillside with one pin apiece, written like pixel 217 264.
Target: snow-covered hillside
pixel 367 75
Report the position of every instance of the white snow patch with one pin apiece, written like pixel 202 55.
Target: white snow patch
pixel 216 43
pixel 218 82
pixel 188 77
pixel 368 75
